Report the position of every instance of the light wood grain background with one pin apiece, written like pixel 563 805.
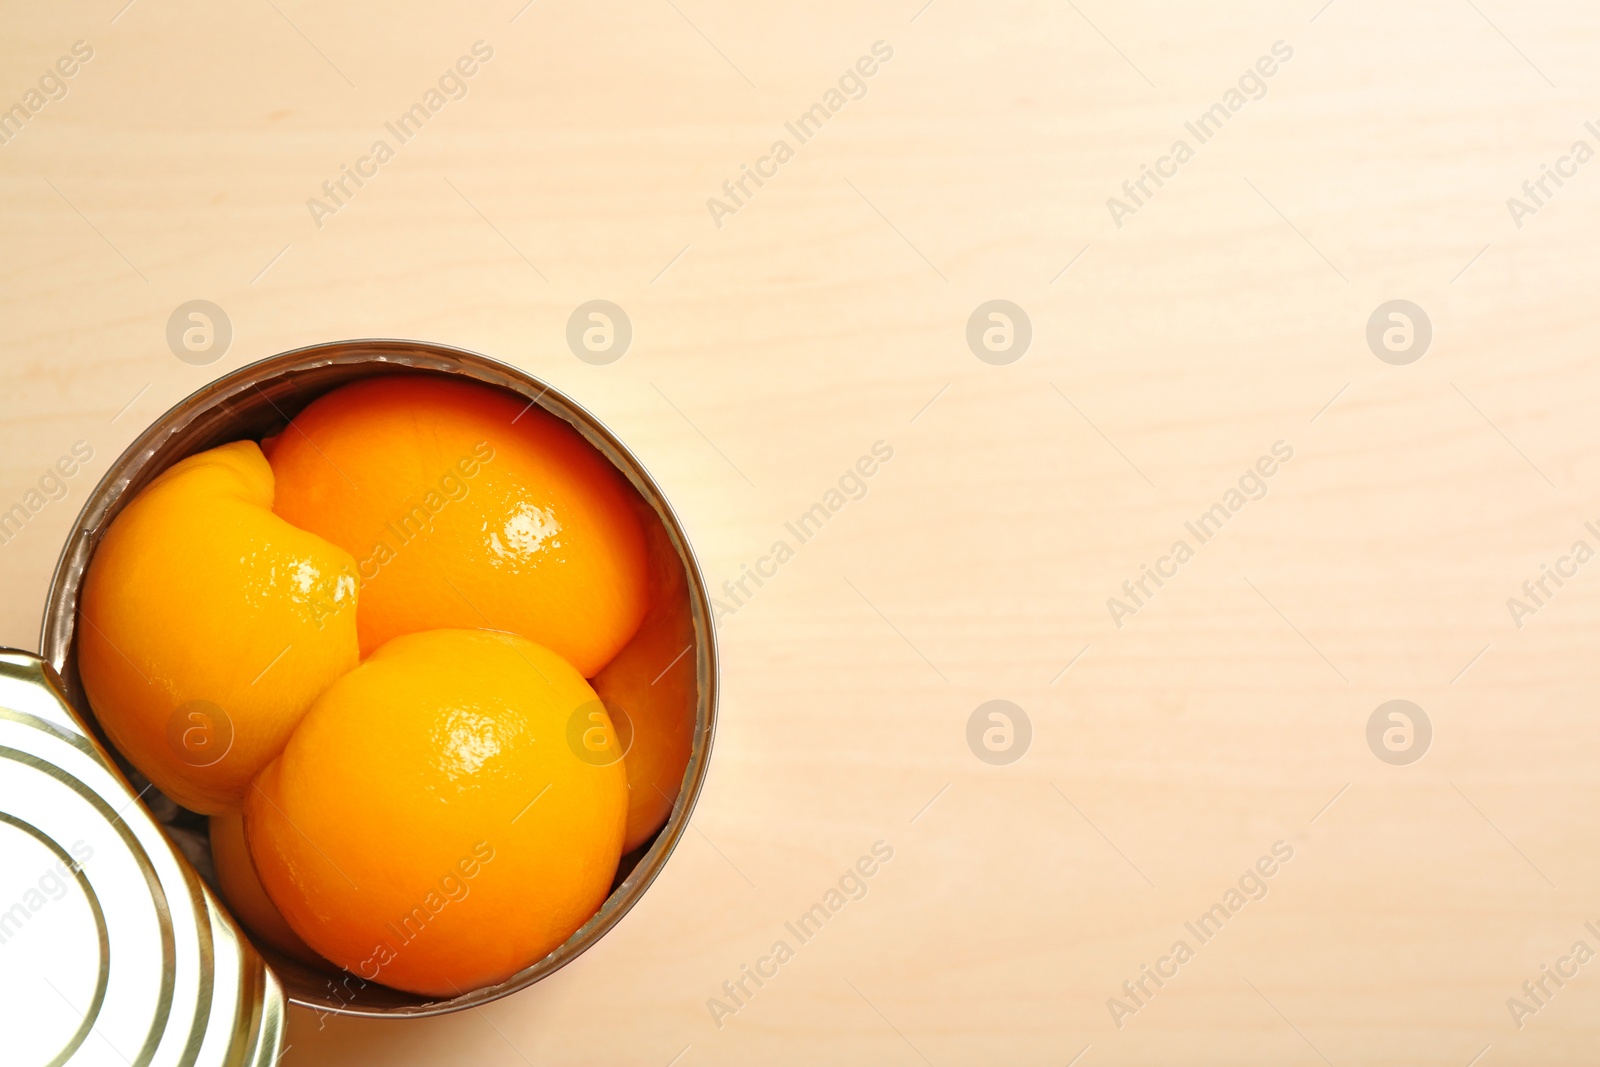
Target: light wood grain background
pixel 829 313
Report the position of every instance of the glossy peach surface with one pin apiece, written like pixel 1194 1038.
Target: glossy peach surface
pixel 209 626
pixel 467 507
pixel 652 682
pixel 242 891
pixel 437 823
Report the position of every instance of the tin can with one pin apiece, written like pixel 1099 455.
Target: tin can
pixel 259 400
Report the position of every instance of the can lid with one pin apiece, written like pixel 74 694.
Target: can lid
pixel 112 949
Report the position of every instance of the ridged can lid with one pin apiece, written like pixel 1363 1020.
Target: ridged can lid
pixel 112 949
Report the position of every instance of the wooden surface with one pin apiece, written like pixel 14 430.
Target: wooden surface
pixel 829 312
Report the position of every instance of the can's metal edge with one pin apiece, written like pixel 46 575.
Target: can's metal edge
pixel 257 1021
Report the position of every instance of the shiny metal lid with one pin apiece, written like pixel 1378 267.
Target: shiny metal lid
pixel 112 950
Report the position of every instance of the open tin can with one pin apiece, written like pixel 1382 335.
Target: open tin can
pixel 231 988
